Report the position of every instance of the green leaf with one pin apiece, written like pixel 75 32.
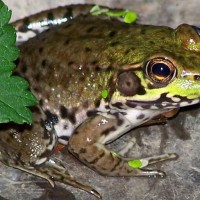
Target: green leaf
pixel 116 13
pixel 135 164
pixel 127 15
pixel 130 17
pixel 8 36
pixel 6 65
pixel 97 10
pixel 5 14
pixel 10 53
pixel 15 96
pixel 104 94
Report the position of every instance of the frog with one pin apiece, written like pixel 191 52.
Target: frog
pixel 71 58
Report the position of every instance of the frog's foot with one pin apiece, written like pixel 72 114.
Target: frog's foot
pixel 141 163
pixel 155 159
pixel 144 161
pixel 54 171
pixel 87 144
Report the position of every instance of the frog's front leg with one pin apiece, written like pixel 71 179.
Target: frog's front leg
pixel 162 118
pixel 87 144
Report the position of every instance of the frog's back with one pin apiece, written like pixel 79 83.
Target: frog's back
pixel 65 71
pixel 63 64
pixel 69 65
pixel 75 61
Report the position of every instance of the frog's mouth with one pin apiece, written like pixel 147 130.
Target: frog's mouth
pixel 164 102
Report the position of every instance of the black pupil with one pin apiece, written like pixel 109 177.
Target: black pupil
pixel 197 29
pixel 161 69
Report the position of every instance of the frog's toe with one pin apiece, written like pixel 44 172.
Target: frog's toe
pixel 56 172
pixel 154 159
pixel 141 163
pixel 150 173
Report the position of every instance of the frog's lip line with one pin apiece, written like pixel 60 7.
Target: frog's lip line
pixel 159 105
pixel 185 73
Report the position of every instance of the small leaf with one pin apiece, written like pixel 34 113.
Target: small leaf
pixel 130 17
pixel 97 10
pixel 127 15
pixel 116 13
pixel 135 164
pixel 104 94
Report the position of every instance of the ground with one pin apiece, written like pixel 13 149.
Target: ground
pixel 180 135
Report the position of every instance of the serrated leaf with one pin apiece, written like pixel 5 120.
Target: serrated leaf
pixel 9 52
pixel 18 115
pixel 5 14
pixel 8 36
pixel 6 66
pixel 15 97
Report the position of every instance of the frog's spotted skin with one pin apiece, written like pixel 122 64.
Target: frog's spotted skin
pixel 149 72
pixel 35 24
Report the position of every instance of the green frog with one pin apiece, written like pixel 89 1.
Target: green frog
pixel 95 79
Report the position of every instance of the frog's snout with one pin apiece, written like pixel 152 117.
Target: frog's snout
pixel 191 76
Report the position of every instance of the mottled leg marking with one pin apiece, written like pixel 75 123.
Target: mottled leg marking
pixel 87 144
pixel 145 161
pixel 55 171
pixel 16 152
pixel 154 159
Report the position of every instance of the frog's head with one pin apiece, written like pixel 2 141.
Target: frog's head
pixel 165 72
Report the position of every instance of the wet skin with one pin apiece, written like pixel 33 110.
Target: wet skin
pixel 149 72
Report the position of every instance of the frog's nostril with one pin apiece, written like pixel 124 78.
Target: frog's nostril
pixel 197 77
pixel 197 29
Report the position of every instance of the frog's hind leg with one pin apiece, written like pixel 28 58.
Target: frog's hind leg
pixel 17 150
pixel 55 171
pixel 31 26
pixel 87 144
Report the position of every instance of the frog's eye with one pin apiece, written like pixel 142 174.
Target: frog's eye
pixel 160 70
pixel 128 83
pixel 197 29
